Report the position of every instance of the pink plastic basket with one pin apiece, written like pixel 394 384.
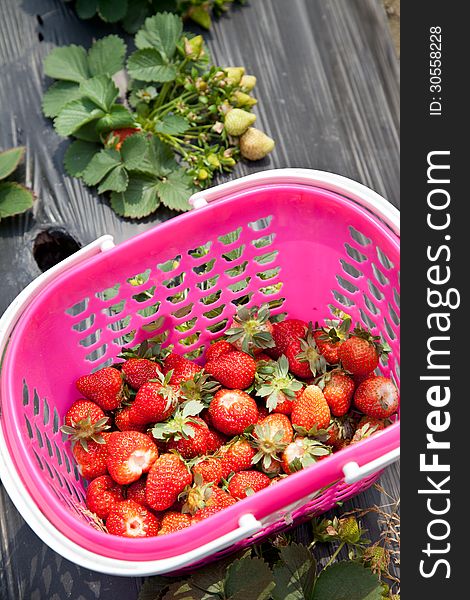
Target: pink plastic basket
pixel 305 241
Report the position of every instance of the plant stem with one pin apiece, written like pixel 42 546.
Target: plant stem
pixel 335 554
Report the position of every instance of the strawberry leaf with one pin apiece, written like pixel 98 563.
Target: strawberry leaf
pixel 133 149
pixel 14 199
pixel 78 156
pixel 106 56
pixel 172 125
pixel 100 165
pixel 75 114
pixel 200 16
pixel 58 95
pixel 117 118
pixel 112 10
pixel 248 579
pixel 294 574
pixel 116 180
pixel 153 587
pixel 174 191
pixel 86 9
pixel 135 17
pixel 68 63
pixel 101 90
pixel 149 65
pixel 160 32
pixel 9 160
pixel 347 580
pixel 139 200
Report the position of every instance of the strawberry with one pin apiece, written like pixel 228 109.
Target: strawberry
pixel 338 389
pixel 304 357
pixel 234 370
pixel 122 420
pixel 92 461
pixel 130 453
pixel 205 513
pixel 263 412
pixel 296 328
pixel 116 137
pixel 274 383
pixel 183 371
pixel 102 495
pixel 360 353
pixel 220 498
pixel 367 426
pixel 270 437
pixel 215 441
pixel 85 421
pixel 246 483
pixel 166 480
pixel 330 338
pixel 301 453
pixel 138 371
pixel 340 432
pixel 103 387
pixel 201 495
pixel 232 411
pixel 311 409
pixel 130 519
pixel 154 402
pixel 236 456
pixel 377 397
pixel 185 432
pixel 262 357
pixel 172 360
pixel 282 340
pixel 217 349
pixel 199 387
pixel 209 469
pixel 251 330
pixel 136 491
pixel 174 521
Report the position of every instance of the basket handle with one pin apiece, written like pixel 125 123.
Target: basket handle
pixel 361 194
pixel 354 473
pixel 12 314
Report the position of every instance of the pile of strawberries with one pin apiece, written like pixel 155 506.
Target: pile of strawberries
pixel 167 442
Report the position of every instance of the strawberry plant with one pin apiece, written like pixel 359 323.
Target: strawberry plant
pixel 15 198
pixel 171 126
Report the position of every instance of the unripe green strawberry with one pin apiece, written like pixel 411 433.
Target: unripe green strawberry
pixel 247 83
pixel 240 99
pixel 237 121
pixel 255 144
pixel 234 74
pixel 349 530
pixel 194 48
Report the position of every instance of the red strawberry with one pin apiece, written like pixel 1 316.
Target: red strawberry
pixel 220 498
pixel 338 392
pixel 201 495
pixel 304 357
pixel 329 349
pixel 205 513
pixel 377 397
pixel 102 495
pixel 92 461
pixel 130 453
pixel 330 338
pixel 209 469
pixel 116 138
pixel 171 361
pixel 217 349
pixel 236 457
pixel 368 426
pixel 358 379
pixel 277 424
pixel 130 519
pixel 166 480
pixel 262 357
pixel 184 371
pixel 138 371
pixel 234 370
pixel 103 387
pixel 311 409
pixel 136 491
pixel 270 438
pixel 296 328
pixel 360 353
pixel 195 444
pixel 251 330
pixel 274 383
pixel 340 432
pixel 263 412
pixel 232 411
pixel 215 441
pixel 301 453
pixel 85 421
pixel 246 483
pixel 122 420
pixel 282 339
pixel 154 402
pixel 174 521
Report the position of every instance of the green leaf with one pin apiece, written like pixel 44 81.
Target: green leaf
pixel 149 65
pixel 172 125
pixel 14 199
pixel 78 156
pixel 100 165
pixel 248 579
pixel 116 181
pixel 106 56
pixel 294 574
pixel 88 132
pixel 182 590
pixel 75 114
pixel 133 149
pixel 139 200
pixel 86 9
pixel 136 13
pixel 200 16
pixel 174 191
pixel 347 581
pixel 112 10
pixel 117 118
pixel 153 587
pixel 10 159
pixel 57 96
pixel 101 90
pixel 68 63
pixel 159 160
pixel 162 32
